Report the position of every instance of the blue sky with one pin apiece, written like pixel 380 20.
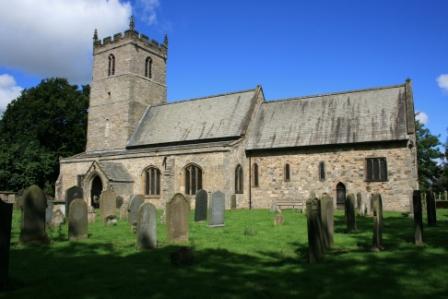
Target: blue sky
pixel 291 48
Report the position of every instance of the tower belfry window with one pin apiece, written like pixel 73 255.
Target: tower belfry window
pixel 148 67
pixel 111 68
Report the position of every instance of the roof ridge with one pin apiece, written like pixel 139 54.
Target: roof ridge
pixel 334 93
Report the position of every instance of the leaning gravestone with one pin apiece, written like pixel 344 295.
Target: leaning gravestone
pixel 377 209
pixel 233 201
pixel 177 210
pixel 147 226
pixel 108 205
pixel 315 245
pixel 5 240
pixel 200 210
pixel 134 204
pixel 418 218
pixel 33 216
pixel 327 220
pixel 431 209
pixel 77 220
pixel 350 213
pixel 71 194
pixel 217 209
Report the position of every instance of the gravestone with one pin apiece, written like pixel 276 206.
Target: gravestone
pixel 57 219
pixel 108 205
pixel 327 220
pixel 279 219
pixel 418 218
pixel 119 202
pixel 77 220
pixel 200 210
pixel 315 245
pixel 49 212
pixel 134 204
pixel 124 211
pixel 147 226
pixel 350 213
pixel 360 205
pixel 33 216
pixel 91 214
pixel 71 194
pixel 5 240
pixel 233 201
pixel 177 210
pixel 377 209
pixel 431 209
pixel 217 209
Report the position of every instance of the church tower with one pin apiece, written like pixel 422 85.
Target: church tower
pixel 129 74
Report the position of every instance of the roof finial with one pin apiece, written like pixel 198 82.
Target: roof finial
pixel 132 23
pixel 95 35
pixel 165 40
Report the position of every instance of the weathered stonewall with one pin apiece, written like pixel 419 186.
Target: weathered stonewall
pixel 5 240
pixel 233 201
pixel 200 210
pixel 327 220
pixel 77 220
pixel 33 216
pixel 377 209
pixel 315 245
pixel 217 209
pixel 350 213
pixel 72 193
pixel 418 218
pixel 147 226
pixel 108 205
pixel 431 209
pixel 177 210
pixel 134 204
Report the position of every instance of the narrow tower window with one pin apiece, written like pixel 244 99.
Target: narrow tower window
pixel 239 180
pixel 111 68
pixel 255 174
pixel 287 172
pixel 322 171
pixel 148 67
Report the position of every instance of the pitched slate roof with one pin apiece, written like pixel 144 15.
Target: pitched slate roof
pixel 217 117
pixel 115 171
pixel 342 118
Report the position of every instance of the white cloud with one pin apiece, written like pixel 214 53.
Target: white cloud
pixel 8 90
pixel 422 117
pixel 442 80
pixel 54 38
pixel 146 10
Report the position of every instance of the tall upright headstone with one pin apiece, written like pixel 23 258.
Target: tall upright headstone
pixel 177 210
pixel 360 205
pixel 77 220
pixel 33 228
pixel 5 240
pixel 233 201
pixel 431 209
pixel 316 248
pixel 108 204
pixel 134 204
pixel 71 194
pixel 200 210
pixel 350 214
pixel 418 217
pixel 327 220
pixel 217 209
pixel 147 226
pixel 119 201
pixel 377 209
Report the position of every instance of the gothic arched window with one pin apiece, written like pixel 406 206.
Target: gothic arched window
pixel 287 172
pixel 255 174
pixel 239 179
pixel 193 179
pixel 152 181
pixel 111 68
pixel 148 67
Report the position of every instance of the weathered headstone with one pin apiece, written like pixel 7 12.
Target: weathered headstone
pixel 57 219
pixel 350 214
pixel 134 204
pixel 233 201
pixel 77 220
pixel 147 226
pixel 200 211
pixel 5 240
pixel 72 193
pixel 418 218
pixel 217 209
pixel 315 245
pixel 49 212
pixel 279 219
pixel 119 202
pixel 431 209
pixel 33 216
pixel 360 205
pixel 108 205
pixel 177 210
pixel 91 214
pixel 377 209
pixel 124 211
pixel 327 220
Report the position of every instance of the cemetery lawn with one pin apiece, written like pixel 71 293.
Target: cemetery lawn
pixel 248 258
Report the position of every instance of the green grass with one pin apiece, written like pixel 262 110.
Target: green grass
pixel 248 258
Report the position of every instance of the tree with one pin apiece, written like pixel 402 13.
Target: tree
pixel 44 123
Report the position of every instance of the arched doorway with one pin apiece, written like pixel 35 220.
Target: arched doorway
pixel 95 192
pixel 340 195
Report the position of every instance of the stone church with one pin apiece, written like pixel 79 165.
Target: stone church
pixel 261 151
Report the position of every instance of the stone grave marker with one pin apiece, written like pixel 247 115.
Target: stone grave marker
pixel 315 245
pixel 57 219
pixel 177 210
pixel 91 214
pixel 49 212
pixel 77 220
pixel 119 202
pixel 147 226
pixel 200 211
pixel 108 205
pixel 327 220
pixel 377 210
pixel 5 240
pixel 134 204
pixel 350 213
pixel 431 209
pixel 233 201
pixel 279 219
pixel 124 211
pixel 360 205
pixel 418 218
pixel 217 209
pixel 72 193
pixel 33 216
